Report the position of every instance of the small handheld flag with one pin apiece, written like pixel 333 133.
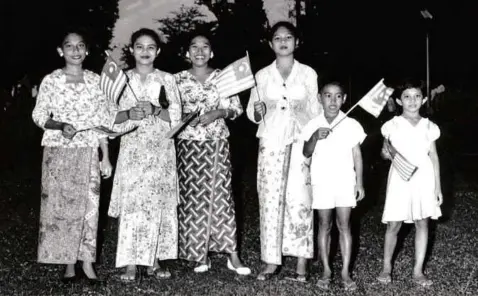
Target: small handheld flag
pixel 374 101
pixel 112 80
pixel 404 168
pixel 234 78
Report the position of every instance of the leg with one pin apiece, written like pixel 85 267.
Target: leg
pixel 345 240
pixel 325 225
pixel 69 271
pixel 389 247
pixel 89 270
pixel 421 241
pixel 301 266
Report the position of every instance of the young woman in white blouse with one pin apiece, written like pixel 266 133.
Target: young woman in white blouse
pixel 284 100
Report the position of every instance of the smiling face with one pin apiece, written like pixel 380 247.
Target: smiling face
pixel 332 97
pixel 199 51
pixel 145 50
pixel 411 100
pixel 73 49
pixel 283 42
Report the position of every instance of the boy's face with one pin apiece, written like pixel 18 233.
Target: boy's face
pixel 332 97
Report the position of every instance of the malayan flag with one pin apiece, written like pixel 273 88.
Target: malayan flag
pixel 374 101
pixel 404 168
pixel 234 78
pixel 112 80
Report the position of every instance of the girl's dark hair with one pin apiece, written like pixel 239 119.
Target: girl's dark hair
pixel 72 30
pixel 408 83
pixel 283 24
pixel 199 32
pixel 145 32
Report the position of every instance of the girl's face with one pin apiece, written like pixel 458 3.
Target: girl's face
pixel 411 100
pixel 73 49
pixel 332 97
pixel 199 51
pixel 283 42
pixel 145 50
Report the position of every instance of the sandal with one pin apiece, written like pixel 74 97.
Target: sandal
pixel 422 281
pixel 323 283
pixel 384 278
pixel 301 278
pixel 265 276
pixel 128 276
pixel 203 267
pixel 349 285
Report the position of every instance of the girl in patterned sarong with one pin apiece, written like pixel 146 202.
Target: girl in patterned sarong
pixel 207 219
pixel 145 192
pixel 69 100
pixel 284 100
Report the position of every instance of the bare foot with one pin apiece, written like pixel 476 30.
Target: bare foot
pixel 69 271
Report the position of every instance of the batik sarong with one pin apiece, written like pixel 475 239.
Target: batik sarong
pixel 206 209
pixel 69 205
pixel 286 216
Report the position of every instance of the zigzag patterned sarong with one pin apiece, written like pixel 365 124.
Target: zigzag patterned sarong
pixel 206 208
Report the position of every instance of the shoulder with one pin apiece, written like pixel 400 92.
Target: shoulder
pixel 354 123
pixel 431 126
pixel 91 76
pixel 307 70
pixel 164 75
pixel 264 72
pixel 52 78
pixel 180 74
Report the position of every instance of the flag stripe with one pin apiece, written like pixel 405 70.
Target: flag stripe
pixel 112 80
pixel 234 78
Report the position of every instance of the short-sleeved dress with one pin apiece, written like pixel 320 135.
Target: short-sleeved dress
pixel 415 199
pixel 332 170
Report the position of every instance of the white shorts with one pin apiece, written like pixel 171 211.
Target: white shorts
pixel 328 200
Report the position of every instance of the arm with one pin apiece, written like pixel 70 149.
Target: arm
pixel 254 99
pixel 309 146
pixel 105 164
pixel 358 165
pixel 436 167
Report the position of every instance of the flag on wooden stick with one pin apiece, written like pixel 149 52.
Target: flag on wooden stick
pixel 374 101
pixel 234 78
pixel 112 80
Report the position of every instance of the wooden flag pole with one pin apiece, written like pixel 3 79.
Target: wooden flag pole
pixel 127 78
pixel 257 91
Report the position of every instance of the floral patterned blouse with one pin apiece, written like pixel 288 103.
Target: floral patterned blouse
pixel 195 94
pixel 290 103
pixel 82 105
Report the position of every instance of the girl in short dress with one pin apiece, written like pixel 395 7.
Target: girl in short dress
pixel 416 200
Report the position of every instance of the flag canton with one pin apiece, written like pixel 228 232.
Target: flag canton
pixel 241 68
pixel 111 69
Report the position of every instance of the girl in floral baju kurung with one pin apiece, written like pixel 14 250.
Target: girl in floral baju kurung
pixel 207 219
pixel 69 100
pixel 287 100
pixel 145 193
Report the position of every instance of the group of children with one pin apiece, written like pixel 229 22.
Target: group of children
pixel 332 140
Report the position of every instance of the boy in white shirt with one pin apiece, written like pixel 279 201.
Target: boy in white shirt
pixel 333 141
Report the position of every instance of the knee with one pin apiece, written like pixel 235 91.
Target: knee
pixel 343 225
pixel 421 224
pixel 325 226
pixel 393 227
